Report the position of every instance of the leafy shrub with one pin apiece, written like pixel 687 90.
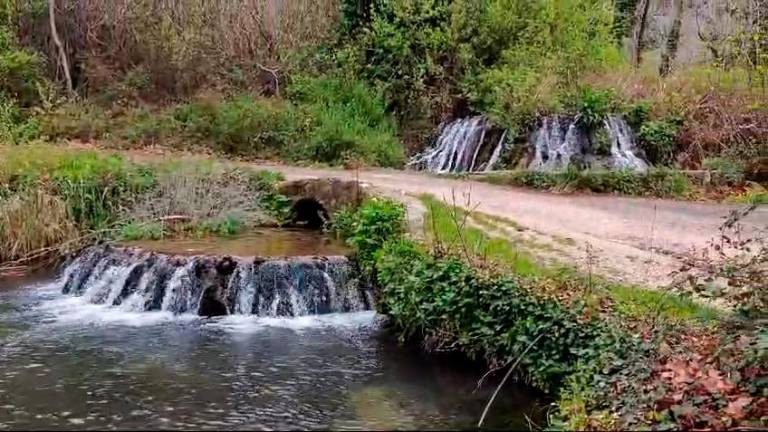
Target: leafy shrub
pixel 638 113
pixel 346 120
pixel 400 51
pixel 265 182
pixel 730 169
pixel 243 126
pixel 368 227
pixel 446 301
pixel 658 140
pixel 20 70
pixel 15 127
pixel 542 47
pixel 593 106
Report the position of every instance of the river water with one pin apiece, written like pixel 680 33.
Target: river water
pixel 68 364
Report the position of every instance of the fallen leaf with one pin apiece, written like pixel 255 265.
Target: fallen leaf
pixel 737 408
pixel 715 383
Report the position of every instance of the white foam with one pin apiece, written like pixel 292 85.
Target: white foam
pixel 254 324
pixel 77 310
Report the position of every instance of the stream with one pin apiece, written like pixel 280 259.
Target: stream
pixel 66 363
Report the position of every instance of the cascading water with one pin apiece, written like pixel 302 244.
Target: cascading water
pixel 463 145
pixel 137 280
pixel 560 142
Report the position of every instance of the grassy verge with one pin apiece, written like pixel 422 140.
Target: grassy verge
pixel 659 182
pixel 663 183
pixel 448 230
pixel 597 348
pixel 53 200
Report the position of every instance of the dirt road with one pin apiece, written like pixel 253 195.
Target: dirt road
pixel 636 240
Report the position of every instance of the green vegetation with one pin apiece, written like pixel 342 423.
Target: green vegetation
pixel 658 139
pixel 657 182
pixel 370 226
pixel 324 120
pixel 729 169
pixel 594 346
pixel 449 230
pixel 53 200
pixel 436 296
pixel 509 58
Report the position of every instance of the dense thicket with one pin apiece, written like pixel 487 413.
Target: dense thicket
pixel 418 62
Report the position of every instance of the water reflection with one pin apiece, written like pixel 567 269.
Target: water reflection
pixel 266 242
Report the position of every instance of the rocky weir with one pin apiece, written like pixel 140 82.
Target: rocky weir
pixel 136 279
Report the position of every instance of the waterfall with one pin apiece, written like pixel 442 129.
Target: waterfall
pixel 463 145
pixel 623 148
pixel 561 141
pixel 136 280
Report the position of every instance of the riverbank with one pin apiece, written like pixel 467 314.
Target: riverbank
pixel 55 200
pixel 614 357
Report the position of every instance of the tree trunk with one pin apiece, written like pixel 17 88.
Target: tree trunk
pixel 673 39
pixel 638 31
pixel 62 53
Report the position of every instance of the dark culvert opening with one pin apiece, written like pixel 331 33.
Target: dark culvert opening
pixel 309 213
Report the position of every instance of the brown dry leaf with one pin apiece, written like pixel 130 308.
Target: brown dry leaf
pixel 715 383
pixel 737 409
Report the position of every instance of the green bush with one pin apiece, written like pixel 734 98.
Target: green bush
pixel 368 227
pixel 543 47
pixel 275 203
pixel 345 120
pixel 638 113
pixel 593 106
pixel 658 140
pixel 243 126
pixel 731 170
pixel 15 127
pixel 20 70
pixel 446 301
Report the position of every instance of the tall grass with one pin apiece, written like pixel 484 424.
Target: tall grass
pixel 32 222
pixel 53 199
